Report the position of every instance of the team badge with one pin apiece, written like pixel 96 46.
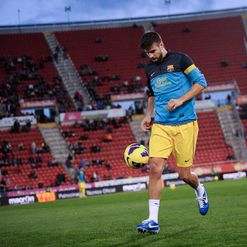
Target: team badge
pixel 170 68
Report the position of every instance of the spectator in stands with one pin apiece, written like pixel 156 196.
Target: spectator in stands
pixel 21 146
pixel 34 165
pixel 69 161
pixel 78 97
pixel 60 178
pixel 107 137
pixel 101 58
pixel 98 162
pixel 108 167
pixel 224 63
pixel 125 83
pixel 230 157
pixel 95 149
pixel 32 174
pixel 130 112
pixel 136 80
pixel 139 107
pixel 52 163
pixel 45 148
pixel 27 126
pixel 3 185
pixel 68 134
pixel 31 159
pixel 84 137
pixel 98 40
pixel 16 126
pixel 79 149
pixel 229 99
pixel 115 123
pixel 39 159
pixel 55 56
pixel 6 147
pixel 186 30
pixel 245 65
pixel 33 147
pixel 84 164
pixel 40 185
pixel 115 77
pixel 96 177
pixel 134 25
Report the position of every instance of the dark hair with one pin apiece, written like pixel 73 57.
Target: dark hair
pixel 149 38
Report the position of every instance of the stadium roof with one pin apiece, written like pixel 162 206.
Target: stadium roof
pixel 63 26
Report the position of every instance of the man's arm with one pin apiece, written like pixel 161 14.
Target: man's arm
pixel 146 122
pixel 196 78
pixel 174 103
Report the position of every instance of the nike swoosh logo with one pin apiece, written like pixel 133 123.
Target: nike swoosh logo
pixel 187 161
pixel 151 226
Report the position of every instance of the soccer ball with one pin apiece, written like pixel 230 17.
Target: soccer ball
pixel 136 156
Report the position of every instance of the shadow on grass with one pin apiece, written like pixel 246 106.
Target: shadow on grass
pixel 152 239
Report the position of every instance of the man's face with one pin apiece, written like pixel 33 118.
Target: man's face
pixel 155 52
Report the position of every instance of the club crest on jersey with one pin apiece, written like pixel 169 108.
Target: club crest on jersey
pixel 170 68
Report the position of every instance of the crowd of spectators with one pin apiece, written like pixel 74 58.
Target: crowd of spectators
pixel 72 135
pixel 24 82
pixel 16 127
pixel 93 81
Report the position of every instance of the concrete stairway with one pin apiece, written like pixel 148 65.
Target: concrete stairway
pixel 233 131
pixel 56 142
pixel 58 146
pixel 68 72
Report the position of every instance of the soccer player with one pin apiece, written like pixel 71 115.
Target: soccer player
pixel 81 182
pixel 173 82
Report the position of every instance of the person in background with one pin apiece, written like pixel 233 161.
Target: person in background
pixel 81 182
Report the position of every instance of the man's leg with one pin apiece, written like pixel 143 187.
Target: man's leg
pixel 154 189
pixel 191 179
pixel 155 180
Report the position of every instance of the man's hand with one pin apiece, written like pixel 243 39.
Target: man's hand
pixel 146 123
pixel 173 104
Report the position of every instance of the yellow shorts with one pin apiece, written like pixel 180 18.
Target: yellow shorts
pixel 82 186
pixel 180 141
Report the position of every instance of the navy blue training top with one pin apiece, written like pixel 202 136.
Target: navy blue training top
pixel 170 79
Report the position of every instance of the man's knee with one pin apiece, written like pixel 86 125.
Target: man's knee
pixel 156 166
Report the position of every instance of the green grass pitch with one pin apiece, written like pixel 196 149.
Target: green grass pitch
pixel 110 220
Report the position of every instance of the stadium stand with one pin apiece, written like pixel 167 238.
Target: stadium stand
pixel 27 72
pixel 119 45
pixel 25 152
pixel 217 46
